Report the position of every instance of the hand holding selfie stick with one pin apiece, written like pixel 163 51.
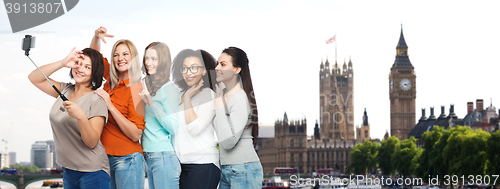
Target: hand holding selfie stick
pixel 28 43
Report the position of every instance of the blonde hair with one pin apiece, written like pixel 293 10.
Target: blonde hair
pixel 134 70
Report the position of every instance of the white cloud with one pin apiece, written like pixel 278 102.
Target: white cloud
pixel 5 90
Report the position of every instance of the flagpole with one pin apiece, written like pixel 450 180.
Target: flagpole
pixel 335 47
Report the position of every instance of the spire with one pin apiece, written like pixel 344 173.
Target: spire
pixel 285 118
pixel 322 65
pixel 316 131
pixel 365 119
pixel 402 42
pixel 402 59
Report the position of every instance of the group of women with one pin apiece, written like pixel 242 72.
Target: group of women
pixel 170 120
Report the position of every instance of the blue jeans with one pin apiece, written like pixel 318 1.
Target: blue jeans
pixel 127 172
pixel 245 175
pixel 164 170
pixel 85 180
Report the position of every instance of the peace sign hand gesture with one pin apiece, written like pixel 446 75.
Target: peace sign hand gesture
pixel 102 32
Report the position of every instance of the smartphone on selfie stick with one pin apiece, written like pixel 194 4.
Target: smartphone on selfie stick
pixel 28 43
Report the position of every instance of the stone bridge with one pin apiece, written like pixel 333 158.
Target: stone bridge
pixel 21 181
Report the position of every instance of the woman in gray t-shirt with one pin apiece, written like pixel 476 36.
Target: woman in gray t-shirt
pixel 78 122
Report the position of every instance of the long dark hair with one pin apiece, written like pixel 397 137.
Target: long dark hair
pixel 162 74
pixel 240 60
pixel 97 68
pixel 207 60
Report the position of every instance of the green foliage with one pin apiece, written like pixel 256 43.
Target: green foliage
pixel 25 168
pixel 415 163
pixel 493 146
pixel 403 156
pixel 429 138
pixel 466 151
pixel 385 154
pixel 363 157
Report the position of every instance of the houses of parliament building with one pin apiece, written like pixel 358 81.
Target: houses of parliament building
pixel 335 134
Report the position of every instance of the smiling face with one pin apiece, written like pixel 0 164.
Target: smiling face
pixel 83 74
pixel 190 65
pixel 225 69
pixel 151 61
pixel 122 58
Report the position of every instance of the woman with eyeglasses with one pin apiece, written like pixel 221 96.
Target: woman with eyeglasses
pixel 194 141
pixel 236 122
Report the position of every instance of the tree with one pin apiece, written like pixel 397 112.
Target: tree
pixel 465 152
pixel 429 138
pixel 363 157
pixel 415 162
pixel 436 159
pixel 493 153
pixel 403 156
pixel 25 168
pixel 385 152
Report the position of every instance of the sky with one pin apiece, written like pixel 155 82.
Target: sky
pixel 453 46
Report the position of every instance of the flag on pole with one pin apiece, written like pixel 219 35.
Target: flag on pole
pixel 331 40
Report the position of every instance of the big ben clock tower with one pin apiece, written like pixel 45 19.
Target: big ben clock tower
pixel 402 92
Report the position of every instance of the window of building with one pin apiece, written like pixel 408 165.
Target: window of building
pixel 366 134
pixel 291 143
pixel 291 157
pixel 300 157
pixel 300 143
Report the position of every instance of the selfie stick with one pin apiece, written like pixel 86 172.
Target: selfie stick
pixel 29 42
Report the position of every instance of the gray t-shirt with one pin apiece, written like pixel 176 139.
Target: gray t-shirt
pixel 71 151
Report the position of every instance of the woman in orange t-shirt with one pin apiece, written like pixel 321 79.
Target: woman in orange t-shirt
pixel 126 123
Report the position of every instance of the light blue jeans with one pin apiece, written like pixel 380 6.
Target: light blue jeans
pixel 245 176
pixel 164 170
pixel 128 171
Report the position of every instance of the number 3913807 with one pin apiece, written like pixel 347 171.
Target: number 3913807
pixel 32 8
pixel 470 179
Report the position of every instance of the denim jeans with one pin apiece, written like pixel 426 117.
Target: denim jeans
pixel 127 172
pixel 85 180
pixel 199 176
pixel 164 170
pixel 245 175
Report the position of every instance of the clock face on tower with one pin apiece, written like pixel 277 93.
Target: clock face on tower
pixel 405 84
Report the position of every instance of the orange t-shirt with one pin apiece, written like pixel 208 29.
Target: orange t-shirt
pixel 112 138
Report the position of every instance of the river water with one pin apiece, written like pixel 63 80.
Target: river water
pixel 38 185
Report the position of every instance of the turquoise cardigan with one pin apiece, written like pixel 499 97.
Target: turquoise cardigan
pixel 161 119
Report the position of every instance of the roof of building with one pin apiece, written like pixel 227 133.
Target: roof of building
pixel 402 62
pixel 424 125
pixel 402 42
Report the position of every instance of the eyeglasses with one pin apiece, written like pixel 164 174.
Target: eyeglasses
pixel 193 69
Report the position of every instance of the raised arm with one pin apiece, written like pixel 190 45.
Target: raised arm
pixel 71 61
pixel 99 34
